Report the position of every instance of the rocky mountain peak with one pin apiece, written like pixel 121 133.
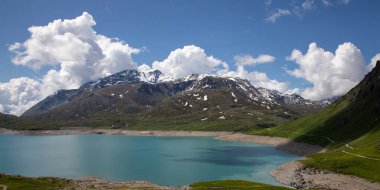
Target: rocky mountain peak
pixel 126 76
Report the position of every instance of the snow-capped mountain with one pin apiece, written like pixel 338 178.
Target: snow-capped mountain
pixel 293 101
pixel 130 94
pixel 127 76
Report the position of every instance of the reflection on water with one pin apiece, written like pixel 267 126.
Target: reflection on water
pixel 163 160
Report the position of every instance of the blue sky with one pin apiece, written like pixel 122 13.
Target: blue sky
pixel 222 28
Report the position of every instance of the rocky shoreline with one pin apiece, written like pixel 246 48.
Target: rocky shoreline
pixel 295 174
pixel 97 183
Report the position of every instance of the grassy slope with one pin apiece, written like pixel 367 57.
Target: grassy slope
pixel 356 124
pixel 236 119
pixel 349 128
pixel 14 122
pixel 42 183
pixel 233 184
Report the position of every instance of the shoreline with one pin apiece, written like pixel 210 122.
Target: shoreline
pixel 283 144
pixel 295 174
pixel 292 174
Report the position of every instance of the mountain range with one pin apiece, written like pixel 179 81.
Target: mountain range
pixel 150 100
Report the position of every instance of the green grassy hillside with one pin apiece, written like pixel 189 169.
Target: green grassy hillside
pixel 349 128
pixel 16 123
pixel 42 183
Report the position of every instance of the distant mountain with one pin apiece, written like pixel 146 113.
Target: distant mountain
pixel 50 102
pixel 137 100
pixel 349 127
pixel 294 101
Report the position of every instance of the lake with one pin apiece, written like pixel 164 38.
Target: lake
pixel 174 161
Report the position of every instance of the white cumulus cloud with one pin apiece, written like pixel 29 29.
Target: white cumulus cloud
pixel 19 94
pixel 330 74
pixel 144 68
pixel 74 54
pixel 242 60
pixel 193 59
pixel 190 59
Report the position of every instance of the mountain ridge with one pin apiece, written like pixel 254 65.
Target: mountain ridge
pixel 130 93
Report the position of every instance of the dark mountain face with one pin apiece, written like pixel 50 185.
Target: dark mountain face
pixel 369 87
pixel 50 102
pixel 145 97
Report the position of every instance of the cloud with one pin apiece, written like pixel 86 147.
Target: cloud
pixel 308 4
pixel 192 59
pixel 19 94
pixel 327 3
pixel 189 60
pixel 330 74
pixel 249 60
pixel 257 78
pixel 14 46
pixel 144 68
pixel 275 15
pixel 73 53
pixel 268 2
pixel 293 91
pixel 297 7
pixel 373 61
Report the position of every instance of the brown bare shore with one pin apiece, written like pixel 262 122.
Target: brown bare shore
pixel 296 175
pixel 96 183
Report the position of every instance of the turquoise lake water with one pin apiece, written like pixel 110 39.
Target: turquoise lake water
pixel 163 160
